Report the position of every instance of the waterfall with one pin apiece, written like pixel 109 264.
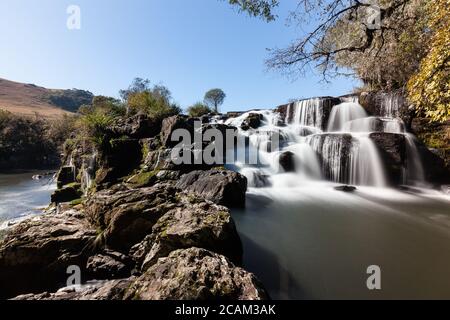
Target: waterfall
pixel 365 167
pixel 89 168
pixel 344 153
pixel 343 113
pixel 308 113
pixel 390 105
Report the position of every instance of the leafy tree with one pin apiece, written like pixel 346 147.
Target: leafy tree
pixel 138 85
pixel 429 89
pixel 199 109
pixel 215 98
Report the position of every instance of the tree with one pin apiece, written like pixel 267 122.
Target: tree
pixel 429 89
pixel 215 98
pixel 138 85
pixel 199 109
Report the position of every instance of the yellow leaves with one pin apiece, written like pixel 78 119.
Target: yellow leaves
pixel 429 88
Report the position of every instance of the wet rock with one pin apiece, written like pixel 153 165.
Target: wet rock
pixel 392 148
pixel 66 175
pixel 203 224
pixel 196 274
pixel 287 161
pixel 35 254
pixel 67 193
pixel 126 216
pixel 346 188
pixel 253 121
pixel 219 186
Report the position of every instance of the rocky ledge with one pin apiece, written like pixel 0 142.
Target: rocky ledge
pixel 135 225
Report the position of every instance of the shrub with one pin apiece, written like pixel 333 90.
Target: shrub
pixel 199 109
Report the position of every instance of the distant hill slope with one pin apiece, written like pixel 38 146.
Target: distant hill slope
pixel 29 99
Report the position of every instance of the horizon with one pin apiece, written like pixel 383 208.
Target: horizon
pixel 104 56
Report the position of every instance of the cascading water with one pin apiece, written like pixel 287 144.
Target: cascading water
pixel 344 153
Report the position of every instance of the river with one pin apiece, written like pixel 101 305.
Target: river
pixel 21 196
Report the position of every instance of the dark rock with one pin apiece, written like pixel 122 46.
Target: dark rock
pixel 171 124
pixel 65 176
pixel 287 161
pixel 127 216
pixel 392 148
pixel 253 121
pixel 67 193
pixel 108 265
pixel 35 254
pixel 138 126
pixel 203 224
pixel 219 186
pixel 196 274
pixel 346 188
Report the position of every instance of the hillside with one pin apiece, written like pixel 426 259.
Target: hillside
pixel 29 99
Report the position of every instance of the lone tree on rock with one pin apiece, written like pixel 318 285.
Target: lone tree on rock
pixel 215 98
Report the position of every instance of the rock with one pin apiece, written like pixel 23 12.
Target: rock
pixel 126 216
pixel 234 114
pixel 253 121
pixel 287 161
pixel 196 274
pixel 346 188
pixel 138 126
pixel 219 186
pixel 203 224
pixel 108 265
pixel 67 193
pixel 98 290
pixel 35 254
pixel 66 175
pixel 169 125
pixel 190 274
pixel 392 148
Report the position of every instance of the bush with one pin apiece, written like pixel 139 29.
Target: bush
pixel 198 110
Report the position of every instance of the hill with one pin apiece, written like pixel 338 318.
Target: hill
pixel 29 99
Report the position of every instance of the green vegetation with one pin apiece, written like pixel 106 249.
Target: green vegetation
pixel 215 98
pixel 70 100
pixel 199 109
pixel 143 178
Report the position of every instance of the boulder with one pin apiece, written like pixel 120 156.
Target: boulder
pixel 190 274
pixel 138 126
pixel 203 224
pixel 125 216
pixel 222 187
pixel 392 148
pixel 67 193
pixel 346 188
pixel 169 125
pixel 196 274
pixel 287 161
pixel 108 265
pixel 35 254
pixel 253 121
pixel 66 175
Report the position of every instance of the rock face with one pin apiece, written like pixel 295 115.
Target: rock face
pixel 392 149
pixel 188 275
pixel 204 225
pixel 65 176
pixel 138 126
pixel 191 274
pixel 126 216
pixel 67 193
pixel 35 255
pixel 219 186
pixel 108 265
pixel 171 124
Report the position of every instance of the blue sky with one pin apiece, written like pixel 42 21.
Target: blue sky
pixel 188 45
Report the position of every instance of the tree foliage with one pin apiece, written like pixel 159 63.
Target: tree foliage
pixel 215 98
pixel 199 109
pixel 429 89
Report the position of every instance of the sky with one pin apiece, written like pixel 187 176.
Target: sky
pixel 188 45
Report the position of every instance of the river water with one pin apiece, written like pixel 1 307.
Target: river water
pixel 314 242
pixel 21 196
